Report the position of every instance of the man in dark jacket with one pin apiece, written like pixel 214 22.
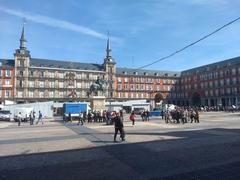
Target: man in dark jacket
pixel 118 124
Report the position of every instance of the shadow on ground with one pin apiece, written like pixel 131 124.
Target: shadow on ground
pixel 199 154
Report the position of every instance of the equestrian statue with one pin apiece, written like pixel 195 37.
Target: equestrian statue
pixel 100 85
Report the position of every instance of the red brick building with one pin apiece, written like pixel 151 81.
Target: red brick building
pixel 6 80
pixel 216 84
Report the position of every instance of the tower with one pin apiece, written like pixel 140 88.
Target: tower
pixel 109 67
pixel 22 63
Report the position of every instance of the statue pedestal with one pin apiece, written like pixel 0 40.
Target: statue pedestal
pixel 98 103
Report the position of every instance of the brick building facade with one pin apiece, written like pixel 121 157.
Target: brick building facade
pixel 27 79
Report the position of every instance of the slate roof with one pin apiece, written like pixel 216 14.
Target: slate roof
pixel 224 63
pixel 142 72
pixel 65 64
pixel 7 62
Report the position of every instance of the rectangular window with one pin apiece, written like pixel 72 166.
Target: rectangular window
pixel 7 82
pixel 20 94
pixel 21 62
pixel 51 94
pixel 41 84
pixel 7 94
pixel 7 73
pixel 79 85
pixel 42 74
pixel 119 87
pixel 51 74
pixel 168 88
pixel 137 87
pixel 221 82
pixel 0 72
pixel 234 80
pixel 228 90
pixel 21 73
pixel 20 83
pixel 61 94
pixel 31 94
pixel 87 85
pixel 228 81
pixel 31 84
pixel 31 73
pixel 41 94
pixel 131 86
pixel 60 84
pixel 51 84
pixel 211 84
pixel 60 75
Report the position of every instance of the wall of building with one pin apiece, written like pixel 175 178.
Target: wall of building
pixel 6 83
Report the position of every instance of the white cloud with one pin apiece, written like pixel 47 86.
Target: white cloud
pixel 57 23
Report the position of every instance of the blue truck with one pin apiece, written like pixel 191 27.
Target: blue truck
pixel 74 109
pixel 155 112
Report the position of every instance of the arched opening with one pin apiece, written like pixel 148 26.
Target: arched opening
pixel 196 99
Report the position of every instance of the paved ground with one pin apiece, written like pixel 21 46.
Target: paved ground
pixel 153 150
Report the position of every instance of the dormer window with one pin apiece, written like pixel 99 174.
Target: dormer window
pixel 145 73
pixel 124 72
pixel 42 74
pixel 166 74
pixel 135 73
pixel 156 74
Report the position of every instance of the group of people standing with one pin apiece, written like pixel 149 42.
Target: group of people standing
pixel 182 115
pixel 31 117
pixel 145 115
pixel 93 117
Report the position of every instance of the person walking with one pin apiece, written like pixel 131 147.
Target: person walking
pixel 132 117
pixel 31 118
pixel 80 118
pixel 147 115
pixel 118 124
pixel 196 116
pixel 121 114
pixel 69 117
pixel 40 117
pixel 19 116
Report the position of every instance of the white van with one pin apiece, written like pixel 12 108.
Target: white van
pixel 5 115
pixel 25 112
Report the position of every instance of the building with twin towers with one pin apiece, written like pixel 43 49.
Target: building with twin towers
pixel 27 79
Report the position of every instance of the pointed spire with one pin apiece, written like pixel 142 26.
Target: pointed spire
pixel 108 59
pixel 22 39
pixel 108 50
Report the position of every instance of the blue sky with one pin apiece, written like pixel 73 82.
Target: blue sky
pixel 141 31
